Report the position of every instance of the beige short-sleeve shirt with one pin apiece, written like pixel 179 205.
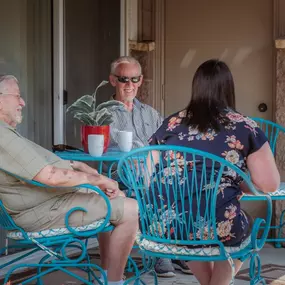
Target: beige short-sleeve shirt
pixel 26 159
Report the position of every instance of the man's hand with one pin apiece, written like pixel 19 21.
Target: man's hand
pixel 109 186
pixel 114 193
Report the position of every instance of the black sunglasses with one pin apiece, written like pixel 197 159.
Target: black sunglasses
pixel 125 79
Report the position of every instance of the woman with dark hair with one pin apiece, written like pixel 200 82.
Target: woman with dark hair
pixel 210 123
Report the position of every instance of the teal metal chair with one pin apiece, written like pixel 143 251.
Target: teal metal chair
pixel 54 243
pixel 273 131
pixel 159 235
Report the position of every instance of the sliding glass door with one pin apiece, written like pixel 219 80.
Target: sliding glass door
pixel 92 41
pixel 26 52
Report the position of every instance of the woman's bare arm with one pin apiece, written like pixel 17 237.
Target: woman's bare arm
pixel 263 170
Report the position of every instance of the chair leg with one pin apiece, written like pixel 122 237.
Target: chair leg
pixel 255 270
pixel 7 246
pixel 280 227
pixel 39 279
pixel 129 267
pixel 148 267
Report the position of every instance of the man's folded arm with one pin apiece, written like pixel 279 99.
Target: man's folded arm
pixel 80 166
pixel 59 177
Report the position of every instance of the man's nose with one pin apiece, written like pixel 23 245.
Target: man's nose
pixel 22 102
pixel 129 83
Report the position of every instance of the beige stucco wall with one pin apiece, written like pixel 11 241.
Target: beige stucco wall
pixel 238 32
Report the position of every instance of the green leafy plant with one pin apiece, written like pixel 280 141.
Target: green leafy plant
pixel 85 110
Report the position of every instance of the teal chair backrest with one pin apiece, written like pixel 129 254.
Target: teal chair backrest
pixel 187 178
pixel 6 221
pixel 271 130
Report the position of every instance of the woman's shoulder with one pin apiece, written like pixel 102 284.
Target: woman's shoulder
pixel 237 119
pixel 175 119
pixel 180 114
pixel 177 116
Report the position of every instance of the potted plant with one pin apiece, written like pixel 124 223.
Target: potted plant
pixel 95 119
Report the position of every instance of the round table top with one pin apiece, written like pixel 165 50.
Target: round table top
pixel 110 155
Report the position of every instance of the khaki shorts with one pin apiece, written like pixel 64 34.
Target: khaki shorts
pixel 51 214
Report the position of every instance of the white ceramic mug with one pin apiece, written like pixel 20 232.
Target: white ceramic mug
pixel 125 140
pixel 96 145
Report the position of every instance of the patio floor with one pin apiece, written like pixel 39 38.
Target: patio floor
pixel 273 263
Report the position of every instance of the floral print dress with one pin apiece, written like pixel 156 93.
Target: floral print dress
pixel 234 142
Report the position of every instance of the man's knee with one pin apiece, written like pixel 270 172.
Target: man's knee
pixel 130 210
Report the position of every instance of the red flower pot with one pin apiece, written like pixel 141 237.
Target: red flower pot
pixel 95 130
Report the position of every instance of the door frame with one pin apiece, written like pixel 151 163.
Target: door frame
pixel 59 63
pixel 159 57
pixel 58 71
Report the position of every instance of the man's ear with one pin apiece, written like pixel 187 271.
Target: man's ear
pixel 112 80
pixel 141 81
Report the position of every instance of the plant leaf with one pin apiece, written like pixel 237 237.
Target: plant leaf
pixel 107 120
pixel 109 104
pixel 85 118
pixel 102 83
pixel 83 105
pixel 102 116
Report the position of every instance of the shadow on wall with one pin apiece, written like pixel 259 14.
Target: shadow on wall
pixel 238 58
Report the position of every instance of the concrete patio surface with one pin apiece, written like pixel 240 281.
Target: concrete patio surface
pixel 269 255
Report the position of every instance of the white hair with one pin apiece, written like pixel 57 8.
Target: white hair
pixel 124 59
pixel 4 80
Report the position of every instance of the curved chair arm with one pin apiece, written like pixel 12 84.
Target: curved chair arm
pixel 10 225
pixel 93 188
pixel 88 186
pixel 106 220
pixel 259 223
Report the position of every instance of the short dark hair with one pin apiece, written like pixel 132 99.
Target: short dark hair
pixel 212 92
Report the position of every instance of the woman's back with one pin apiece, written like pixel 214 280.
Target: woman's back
pixel 234 141
pixel 238 136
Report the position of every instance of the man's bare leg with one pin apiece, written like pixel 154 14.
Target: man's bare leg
pixel 104 243
pixel 122 239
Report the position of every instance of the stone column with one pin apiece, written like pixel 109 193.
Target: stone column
pixel 143 48
pixel 143 52
pixel 279 206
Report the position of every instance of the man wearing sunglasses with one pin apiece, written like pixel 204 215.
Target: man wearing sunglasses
pixel 126 76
